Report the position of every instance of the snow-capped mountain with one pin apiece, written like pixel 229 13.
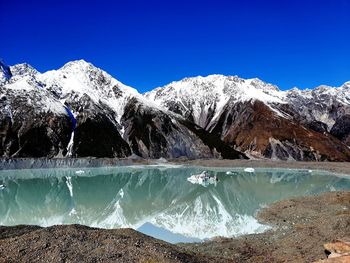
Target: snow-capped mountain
pixel 32 122
pixel 259 119
pixel 324 103
pixel 106 118
pixel 202 99
pixel 80 110
pixel 21 70
pixel 77 79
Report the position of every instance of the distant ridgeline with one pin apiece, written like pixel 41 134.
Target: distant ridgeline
pixel 80 111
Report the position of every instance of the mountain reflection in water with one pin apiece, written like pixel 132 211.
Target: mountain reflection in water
pixel 156 199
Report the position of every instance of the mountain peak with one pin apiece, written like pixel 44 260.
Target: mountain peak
pixel 23 69
pixel 78 64
pixel 346 85
pixel 216 79
pixel 260 84
pixel 209 78
pixel 212 87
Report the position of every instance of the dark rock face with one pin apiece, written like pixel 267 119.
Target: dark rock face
pixel 96 132
pixel 28 132
pixel 46 134
pixel 152 133
pixel 95 135
pixel 317 126
pixel 341 129
pixel 214 142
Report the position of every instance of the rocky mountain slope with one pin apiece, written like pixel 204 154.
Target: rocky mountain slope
pixel 257 118
pixel 32 122
pixel 79 110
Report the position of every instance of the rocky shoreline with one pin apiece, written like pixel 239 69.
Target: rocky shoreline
pixel 301 226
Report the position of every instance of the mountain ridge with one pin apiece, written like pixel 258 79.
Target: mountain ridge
pixel 201 115
pixel 346 84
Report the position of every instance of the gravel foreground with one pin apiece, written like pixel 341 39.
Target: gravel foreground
pixel 301 226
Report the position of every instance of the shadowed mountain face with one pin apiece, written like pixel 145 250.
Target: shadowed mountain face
pixel 32 123
pixel 95 135
pixel 153 133
pixel 341 129
pixel 80 110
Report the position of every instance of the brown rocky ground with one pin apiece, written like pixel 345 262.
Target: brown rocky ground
pixel 301 226
pixel 76 243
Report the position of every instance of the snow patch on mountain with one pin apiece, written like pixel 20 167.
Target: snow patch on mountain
pixel 78 78
pixel 204 96
pixel 22 70
pixel 41 99
pixel 218 88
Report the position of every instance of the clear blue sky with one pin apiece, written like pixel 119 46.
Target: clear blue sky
pixel 150 43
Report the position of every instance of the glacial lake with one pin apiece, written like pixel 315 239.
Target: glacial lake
pixel 156 200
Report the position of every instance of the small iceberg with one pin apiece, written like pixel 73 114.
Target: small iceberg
pixel 203 179
pixel 2 186
pixel 162 160
pixel 230 172
pixel 249 170
pixel 79 172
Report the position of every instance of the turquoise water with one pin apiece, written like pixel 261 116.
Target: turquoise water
pixel 157 200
